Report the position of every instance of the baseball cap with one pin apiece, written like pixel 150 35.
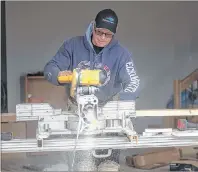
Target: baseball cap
pixel 107 19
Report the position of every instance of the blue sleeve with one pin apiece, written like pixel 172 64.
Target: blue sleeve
pixel 129 78
pixel 59 62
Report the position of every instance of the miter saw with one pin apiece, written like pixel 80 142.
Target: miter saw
pixel 91 126
pixel 90 119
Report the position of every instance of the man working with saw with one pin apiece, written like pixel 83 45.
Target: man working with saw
pixel 98 49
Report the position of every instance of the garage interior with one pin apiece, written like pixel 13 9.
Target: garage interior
pixel 162 36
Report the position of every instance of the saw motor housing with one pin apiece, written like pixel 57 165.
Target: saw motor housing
pixel 83 81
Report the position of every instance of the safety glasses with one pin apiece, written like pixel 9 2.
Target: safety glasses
pixel 100 33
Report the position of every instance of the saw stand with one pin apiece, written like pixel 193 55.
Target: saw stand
pixel 88 120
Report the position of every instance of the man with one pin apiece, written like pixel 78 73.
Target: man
pixel 98 49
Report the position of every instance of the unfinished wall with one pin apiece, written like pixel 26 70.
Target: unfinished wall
pixel 162 36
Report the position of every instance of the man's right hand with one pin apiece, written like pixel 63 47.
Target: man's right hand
pixel 67 77
pixel 64 73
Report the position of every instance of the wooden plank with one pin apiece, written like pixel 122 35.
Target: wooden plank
pixel 139 113
pixel 177 92
pixel 177 101
pixel 26 89
pixel 163 156
pixel 167 112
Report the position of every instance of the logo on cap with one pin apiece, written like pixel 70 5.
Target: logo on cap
pixel 109 20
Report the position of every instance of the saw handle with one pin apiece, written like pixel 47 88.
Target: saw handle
pixel 102 155
pixel 65 77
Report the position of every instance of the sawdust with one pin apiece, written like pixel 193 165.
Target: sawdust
pixel 108 166
pixel 84 161
pixel 57 163
pixel 57 167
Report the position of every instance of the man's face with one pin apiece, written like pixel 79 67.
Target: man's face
pixel 101 36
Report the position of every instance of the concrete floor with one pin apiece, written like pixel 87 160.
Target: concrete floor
pixel 57 162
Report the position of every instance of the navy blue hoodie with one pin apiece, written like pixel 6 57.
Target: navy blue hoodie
pixel 114 59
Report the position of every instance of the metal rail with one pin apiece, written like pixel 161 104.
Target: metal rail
pixel 30 145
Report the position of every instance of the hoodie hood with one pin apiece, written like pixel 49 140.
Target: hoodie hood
pixel 88 34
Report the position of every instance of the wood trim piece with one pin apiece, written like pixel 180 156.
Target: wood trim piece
pixel 167 112
pixel 177 92
pixel 10 117
pixel 177 101
pixel 26 89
